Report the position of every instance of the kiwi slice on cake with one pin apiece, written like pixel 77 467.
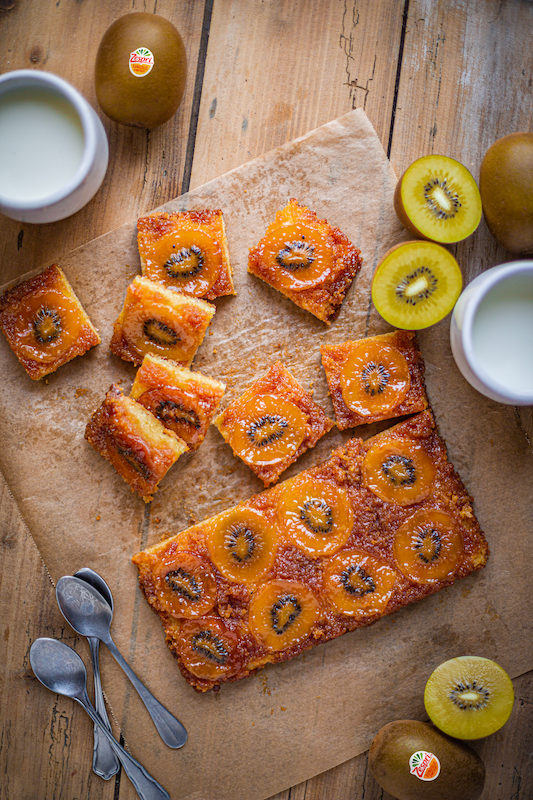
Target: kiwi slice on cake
pixel 416 284
pixel 438 199
pixel 469 697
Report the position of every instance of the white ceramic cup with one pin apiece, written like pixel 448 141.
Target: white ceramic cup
pixel 492 333
pixel 88 170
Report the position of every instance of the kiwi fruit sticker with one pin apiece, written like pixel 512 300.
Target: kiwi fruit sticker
pixel 424 765
pixel 141 62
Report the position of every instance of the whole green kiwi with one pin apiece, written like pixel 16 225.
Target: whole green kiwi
pixel 142 100
pixel 506 188
pixel 460 776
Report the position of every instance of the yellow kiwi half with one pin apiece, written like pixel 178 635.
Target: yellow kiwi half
pixel 469 697
pixel 437 199
pixel 416 284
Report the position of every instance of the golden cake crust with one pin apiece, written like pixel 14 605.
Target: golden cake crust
pixel 140 448
pixel 323 300
pixel 334 358
pixel 163 387
pixel 156 229
pixel 179 321
pixel 278 382
pixel 376 526
pixel 21 305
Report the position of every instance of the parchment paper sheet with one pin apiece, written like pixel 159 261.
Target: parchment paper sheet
pixel 291 721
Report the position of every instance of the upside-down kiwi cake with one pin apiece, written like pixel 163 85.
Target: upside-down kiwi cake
pixel 306 259
pixel 161 321
pixel 134 441
pixel 272 423
pixel 44 323
pixel 183 401
pixel 187 251
pixel 376 378
pixel 382 523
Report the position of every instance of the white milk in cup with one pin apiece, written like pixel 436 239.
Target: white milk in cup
pixel 53 147
pixel 492 333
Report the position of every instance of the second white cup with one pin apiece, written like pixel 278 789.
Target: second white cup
pixel 492 333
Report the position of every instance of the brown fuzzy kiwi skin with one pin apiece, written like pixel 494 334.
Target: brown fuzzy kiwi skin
pixel 402 216
pixel 462 772
pixel 506 188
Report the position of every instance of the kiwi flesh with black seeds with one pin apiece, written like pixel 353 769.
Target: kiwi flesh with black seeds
pixel 171 413
pixel 47 325
pixel 184 584
pixel 416 284
pixel 506 186
pixel 469 697
pixel 159 333
pixel 186 263
pixel 210 646
pixel 438 199
pixel 267 429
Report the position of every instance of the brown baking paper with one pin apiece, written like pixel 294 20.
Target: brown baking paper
pixel 263 734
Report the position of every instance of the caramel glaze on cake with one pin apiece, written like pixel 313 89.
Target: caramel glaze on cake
pixel 183 401
pixel 320 261
pixel 45 323
pixel 241 624
pixel 161 321
pixel 282 396
pixel 187 251
pixel 412 397
pixel 140 448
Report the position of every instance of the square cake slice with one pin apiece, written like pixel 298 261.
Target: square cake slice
pixel 306 259
pixel 272 423
pixel 45 324
pixel 184 401
pixel 331 550
pixel 376 378
pixel 160 321
pixel 140 448
pixel 187 251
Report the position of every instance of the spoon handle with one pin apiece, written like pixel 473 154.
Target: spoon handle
pixel 105 762
pixel 169 728
pixel 146 787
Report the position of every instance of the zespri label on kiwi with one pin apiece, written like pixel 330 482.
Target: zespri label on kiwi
pixel 424 765
pixel 141 62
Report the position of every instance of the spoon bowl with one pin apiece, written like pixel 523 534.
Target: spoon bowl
pixel 58 667
pixel 62 671
pixel 84 608
pixel 88 613
pixel 97 582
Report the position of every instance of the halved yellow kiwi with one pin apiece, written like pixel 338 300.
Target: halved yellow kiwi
pixel 469 697
pixel 437 199
pixel 416 284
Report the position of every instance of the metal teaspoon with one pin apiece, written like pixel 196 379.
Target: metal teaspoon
pixel 105 762
pixel 61 670
pixel 88 613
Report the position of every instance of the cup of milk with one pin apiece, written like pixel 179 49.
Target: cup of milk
pixel 53 147
pixel 492 333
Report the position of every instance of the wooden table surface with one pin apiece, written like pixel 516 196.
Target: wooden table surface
pixel 434 76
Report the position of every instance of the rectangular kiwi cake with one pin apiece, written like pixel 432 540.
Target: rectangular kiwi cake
pixel 383 523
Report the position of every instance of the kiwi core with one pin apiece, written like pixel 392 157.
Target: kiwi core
pixel 437 199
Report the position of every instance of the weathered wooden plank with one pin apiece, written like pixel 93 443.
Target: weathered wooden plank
pixel 276 70
pixel 465 81
pixel 46 740
pixel 145 167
